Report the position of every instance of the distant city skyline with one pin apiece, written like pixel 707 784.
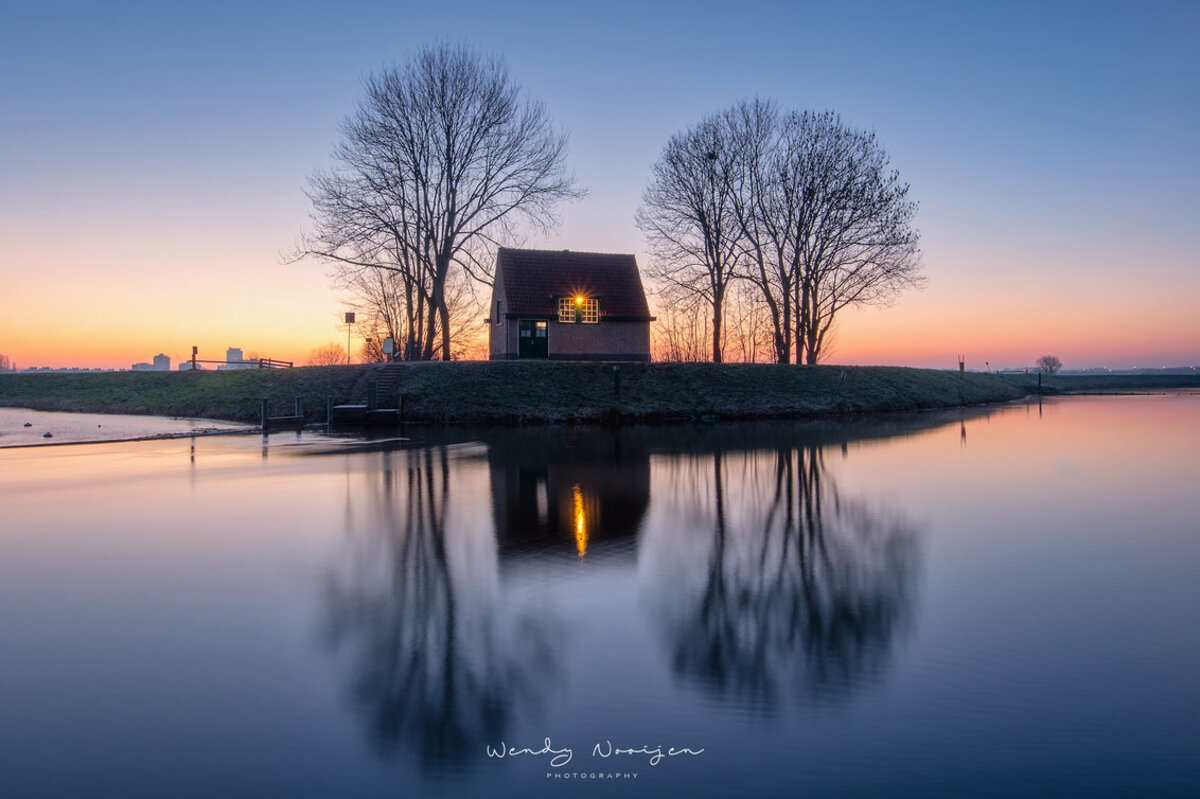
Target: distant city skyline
pixel 155 157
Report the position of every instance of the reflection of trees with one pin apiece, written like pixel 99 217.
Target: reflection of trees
pixel 796 588
pixel 437 666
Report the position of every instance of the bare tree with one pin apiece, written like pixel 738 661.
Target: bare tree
pixel 682 332
pixel 747 324
pixel 1049 364
pixel 330 354
pixel 688 217
pixel 5 364
pixel 384 313
pixel 441 160
pixel 799 204
pixel 766 214
pixel 856 237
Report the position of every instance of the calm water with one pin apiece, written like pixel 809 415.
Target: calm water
pixel 21 427
pixel 995 603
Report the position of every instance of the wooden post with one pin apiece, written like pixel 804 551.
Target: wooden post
pixel 329 412
pixel 266 415
pixel 403 401
pixel 299 407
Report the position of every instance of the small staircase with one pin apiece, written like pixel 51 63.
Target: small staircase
pixel 387 384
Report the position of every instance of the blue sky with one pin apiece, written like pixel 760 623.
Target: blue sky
pixel 152 151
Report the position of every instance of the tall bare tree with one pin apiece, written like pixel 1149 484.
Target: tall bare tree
pixel 688 217
pixel 765 213
pixel 809 212
pixel 855 236
pixel 441 160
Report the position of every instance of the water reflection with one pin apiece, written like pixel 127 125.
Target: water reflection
pixel 780 585
pixel 436 665
pixel 764 581
pixel 556 490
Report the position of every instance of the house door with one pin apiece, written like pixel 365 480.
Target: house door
pixel 533 342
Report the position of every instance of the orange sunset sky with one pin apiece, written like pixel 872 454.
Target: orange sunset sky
pixel 152 172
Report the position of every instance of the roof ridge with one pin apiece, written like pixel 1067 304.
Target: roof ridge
pixel 571 252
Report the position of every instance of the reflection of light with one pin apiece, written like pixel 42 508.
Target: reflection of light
pixel 581 535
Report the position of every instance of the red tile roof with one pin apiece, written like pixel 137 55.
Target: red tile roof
pixel 534 279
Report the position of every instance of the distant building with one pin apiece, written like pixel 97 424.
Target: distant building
pixel 162 363
pixel 564 305
pixel 142 367
pixel 235 360
pixel 186 366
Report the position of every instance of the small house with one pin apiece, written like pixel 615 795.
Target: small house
pixel 564 305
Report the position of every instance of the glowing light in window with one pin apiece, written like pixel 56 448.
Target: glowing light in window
pixel 581 533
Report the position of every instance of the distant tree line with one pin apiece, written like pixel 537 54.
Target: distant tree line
pixel 330 354
pixel 797 204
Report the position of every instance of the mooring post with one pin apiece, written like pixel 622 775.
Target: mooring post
pixel 329 411
pixel 1039 384
pixel 401 404
pixel 266 415
pixel 617 382
pixel 299 407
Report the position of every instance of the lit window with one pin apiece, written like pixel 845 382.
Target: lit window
pixel 578 309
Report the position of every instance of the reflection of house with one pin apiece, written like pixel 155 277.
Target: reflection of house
pixel 569 491
pixel 568 306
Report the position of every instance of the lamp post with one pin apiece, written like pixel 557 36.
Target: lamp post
pixel 349 324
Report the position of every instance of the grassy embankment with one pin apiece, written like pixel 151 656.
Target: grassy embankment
pixel 527 392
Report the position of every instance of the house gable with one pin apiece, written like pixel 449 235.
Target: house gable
pixel 613 322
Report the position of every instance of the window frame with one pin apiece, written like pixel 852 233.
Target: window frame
pixel 573 313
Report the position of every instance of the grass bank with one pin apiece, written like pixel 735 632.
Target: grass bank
pixel 233 395
pixel 1117 384
pixel 520 392
pixel 531 393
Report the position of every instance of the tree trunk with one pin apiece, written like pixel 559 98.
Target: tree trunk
pixel 801 319
pixel 718 302
pixel 444 313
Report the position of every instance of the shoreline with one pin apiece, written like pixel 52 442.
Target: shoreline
pixel 517 393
